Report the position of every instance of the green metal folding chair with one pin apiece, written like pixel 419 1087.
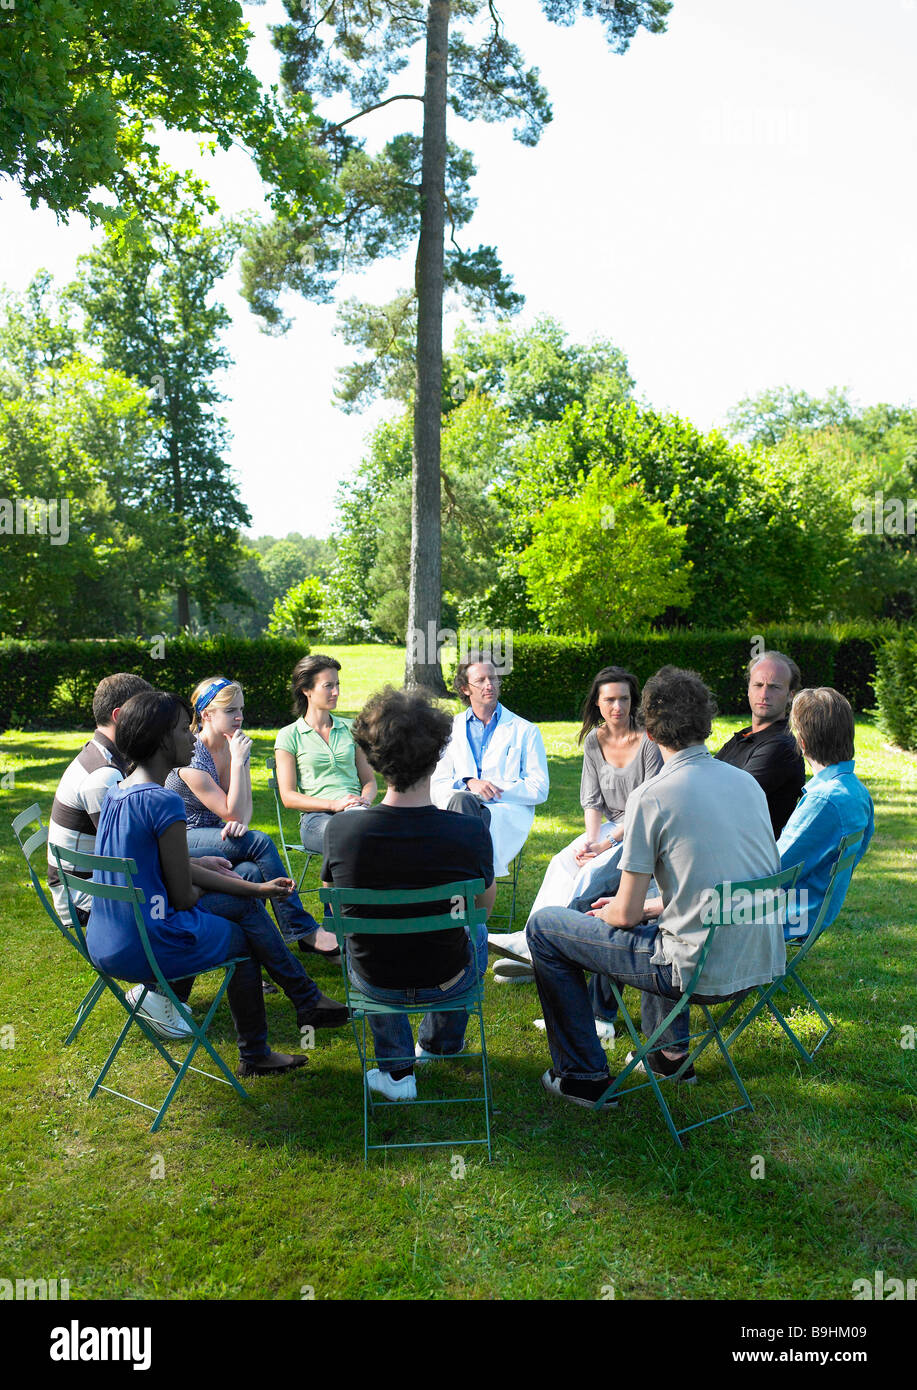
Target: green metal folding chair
pixel 765 902
pixel 797 950
pixel 32 834
pixel 287 847
pixel 509 916
pixel 362 1006
pixel 130 894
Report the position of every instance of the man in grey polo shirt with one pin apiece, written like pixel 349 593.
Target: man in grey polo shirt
pixel 698 822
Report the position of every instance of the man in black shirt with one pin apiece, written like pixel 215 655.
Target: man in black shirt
pixel 405 842
pixel 767 749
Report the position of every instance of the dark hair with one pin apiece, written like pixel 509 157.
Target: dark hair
pixel 590 716
pixel 461 674
pixel 403 735
pixel 112 692
pixel 788 662
pixel 677 708
pixel 305 673
pixel 824 719
pixel 145 722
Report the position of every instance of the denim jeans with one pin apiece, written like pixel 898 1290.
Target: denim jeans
pixel 254 847
pixel 564 944
pixel 439 1033
pixel 255 938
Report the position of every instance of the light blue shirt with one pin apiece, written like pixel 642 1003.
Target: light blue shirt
pixel 480 734
pixel 834 803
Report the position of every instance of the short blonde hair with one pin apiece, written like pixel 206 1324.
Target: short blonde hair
pixel 824 720
pixel 221 700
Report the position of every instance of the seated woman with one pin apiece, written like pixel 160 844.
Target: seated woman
pixel 217 792
pixel 320 770
pixel 186 906
pixel 617 757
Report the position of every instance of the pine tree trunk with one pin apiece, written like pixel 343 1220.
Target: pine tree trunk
pixel 425 594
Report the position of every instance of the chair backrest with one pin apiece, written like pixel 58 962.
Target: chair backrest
pixel 462 911
pixel 32 834
pixel 764 898
pixel 125 892
pixel 846 857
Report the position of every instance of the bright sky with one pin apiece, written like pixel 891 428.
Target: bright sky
pixel 731 202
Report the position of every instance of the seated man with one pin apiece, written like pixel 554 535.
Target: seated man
pixel 405 842
pixel 75 817
pixel 834 803
pixel 766 749
pixel 696 823
pixel 494 765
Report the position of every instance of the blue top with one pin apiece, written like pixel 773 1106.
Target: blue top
pixel 480 734
pixel 198 816
pixel 131 822
pixel 834 803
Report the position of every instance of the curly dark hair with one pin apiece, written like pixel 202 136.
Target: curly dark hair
pixel 305 673
pixel 677 708
pixel 403 735
pixel 608 674
pixel 145 722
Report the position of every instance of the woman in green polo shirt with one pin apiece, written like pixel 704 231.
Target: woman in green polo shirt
pixel 320 770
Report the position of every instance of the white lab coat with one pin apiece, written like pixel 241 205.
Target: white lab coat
pixel 514 760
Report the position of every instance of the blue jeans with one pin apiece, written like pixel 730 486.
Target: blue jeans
pixel 255 938
pixel 312 825
pixel 258 849
pixel 439 1033
pixel 564 944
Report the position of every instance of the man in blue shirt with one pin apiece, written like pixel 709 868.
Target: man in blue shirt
pixel 834 803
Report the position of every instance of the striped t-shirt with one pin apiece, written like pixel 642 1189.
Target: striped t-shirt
pixel 75 812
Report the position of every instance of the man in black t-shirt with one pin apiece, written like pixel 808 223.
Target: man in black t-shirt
pixel 767 750
pixel 405 842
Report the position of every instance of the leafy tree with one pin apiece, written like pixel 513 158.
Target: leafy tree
pixel 149 309
pixel 83 83
pixel 535 374
pixel 769 417
pixel 607 558
pixel 299 612
pixel 410 189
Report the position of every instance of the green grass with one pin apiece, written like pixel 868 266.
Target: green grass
pixel 270 1199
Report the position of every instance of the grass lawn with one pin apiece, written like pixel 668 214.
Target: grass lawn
pixel 271 1200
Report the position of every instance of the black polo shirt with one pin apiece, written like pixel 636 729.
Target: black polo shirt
pixel 772 758
pixel 407 847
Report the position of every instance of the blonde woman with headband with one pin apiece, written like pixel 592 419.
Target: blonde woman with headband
pixel 216 789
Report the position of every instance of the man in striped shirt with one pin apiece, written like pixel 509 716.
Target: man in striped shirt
pixel 75 816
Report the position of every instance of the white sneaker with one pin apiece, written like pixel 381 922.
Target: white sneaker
pixel 383 1084
pixel 160 1013
pixel 422 1055
pixel 510 943
pixel 605 1030
pixel 513 972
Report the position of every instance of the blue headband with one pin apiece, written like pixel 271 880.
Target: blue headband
pixel 203 701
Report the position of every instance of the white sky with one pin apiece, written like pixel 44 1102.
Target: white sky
pixel 733 203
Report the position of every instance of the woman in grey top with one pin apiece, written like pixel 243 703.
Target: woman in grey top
pixel 617 757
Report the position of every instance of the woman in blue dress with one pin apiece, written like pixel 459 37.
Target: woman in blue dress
pixel 216 788
pixel 195 917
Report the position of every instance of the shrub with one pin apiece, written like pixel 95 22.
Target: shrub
pixel 896 689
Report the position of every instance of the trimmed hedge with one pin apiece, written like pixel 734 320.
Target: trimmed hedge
pixel 50 684
pixel 896 689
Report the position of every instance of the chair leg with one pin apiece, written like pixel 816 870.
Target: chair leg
pixel 85 1008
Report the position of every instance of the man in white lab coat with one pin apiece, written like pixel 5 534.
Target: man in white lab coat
pixel 494 765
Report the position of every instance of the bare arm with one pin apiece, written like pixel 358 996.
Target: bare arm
pixel 487 898
pixel 294 799
pixel 368 789
pixel 234 805
pixel 185 880
pixel 626 908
